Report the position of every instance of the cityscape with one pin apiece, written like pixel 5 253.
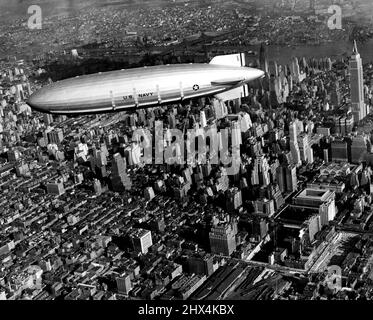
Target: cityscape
pixel 262 192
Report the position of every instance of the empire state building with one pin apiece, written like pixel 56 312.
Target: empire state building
pixel 359 109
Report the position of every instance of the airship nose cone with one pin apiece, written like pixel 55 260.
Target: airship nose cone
pixel 37 102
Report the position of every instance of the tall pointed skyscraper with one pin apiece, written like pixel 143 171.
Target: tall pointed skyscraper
pixel 263 60
pixel 357 85
pixel 312 5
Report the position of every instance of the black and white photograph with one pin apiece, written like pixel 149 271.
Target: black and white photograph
pixel 186 155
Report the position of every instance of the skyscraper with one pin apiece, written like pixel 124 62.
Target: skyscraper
pixel 260 172
pixel 55 136
pixel 312 4
pixel 339 150
pixel 234 199
pixel 335 94
pixel 291 178
pixel 263 61
pixel 357 85
pixel 48 119
pixel 223 239
pixel 294 147
pixel 201 264
pixel 203 120
pixel 55 187
pixel 120 180
pixel 358 149
pixel 287 178
pixel 97 186
pixel 141 240
pixel 274 90
pixel 123 283
pixel 295 69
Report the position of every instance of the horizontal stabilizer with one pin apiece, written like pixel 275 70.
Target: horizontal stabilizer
pixel 227 82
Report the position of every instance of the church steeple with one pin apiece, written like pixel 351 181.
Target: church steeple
pixel 354 50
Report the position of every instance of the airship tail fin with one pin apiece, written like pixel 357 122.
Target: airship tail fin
pixel 236 60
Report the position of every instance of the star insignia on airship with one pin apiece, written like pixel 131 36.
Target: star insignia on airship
pixel 196 87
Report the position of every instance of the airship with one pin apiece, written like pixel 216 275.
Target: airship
pixel 140 87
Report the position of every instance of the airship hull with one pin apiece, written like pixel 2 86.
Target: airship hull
pixel 138 88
